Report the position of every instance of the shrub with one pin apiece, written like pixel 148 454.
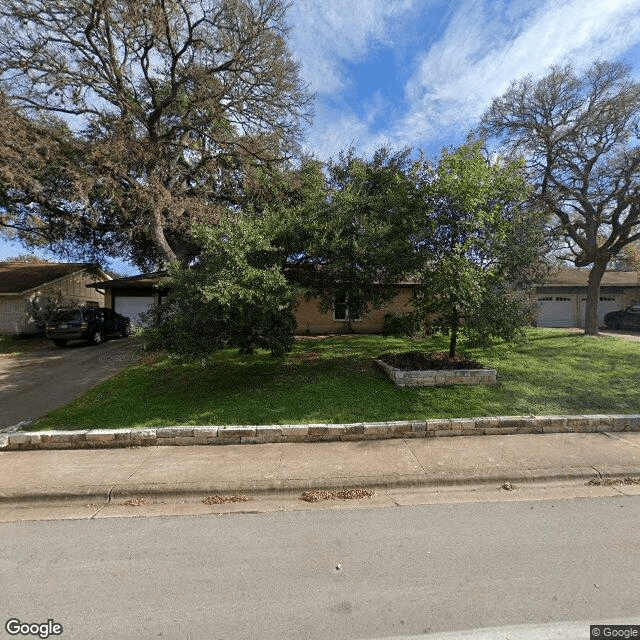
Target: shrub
pixel 400 324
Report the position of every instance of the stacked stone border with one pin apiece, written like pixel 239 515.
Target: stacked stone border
pixel 440 378
pixel 103 438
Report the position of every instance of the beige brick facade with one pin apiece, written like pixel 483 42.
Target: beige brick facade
pixel 310 320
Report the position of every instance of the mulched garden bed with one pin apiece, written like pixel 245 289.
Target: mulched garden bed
pixel 420 361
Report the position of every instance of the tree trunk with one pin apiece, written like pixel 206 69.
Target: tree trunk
pixel 454 340
pixel 159 240
pixel 593 297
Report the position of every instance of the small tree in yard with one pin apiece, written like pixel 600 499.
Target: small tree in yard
pixel 233 297
pixel 480 247
pixel 43 309
pixel 346 231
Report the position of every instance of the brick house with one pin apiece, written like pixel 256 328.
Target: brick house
pixel 561 301
pixel 133 295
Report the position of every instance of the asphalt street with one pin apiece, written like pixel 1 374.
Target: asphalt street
pixel 36 382
pixel 361 573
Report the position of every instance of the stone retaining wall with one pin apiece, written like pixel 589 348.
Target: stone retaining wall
pixel 440 378
pixel 316 432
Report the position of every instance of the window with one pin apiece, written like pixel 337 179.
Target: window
pixel 341 309
pixel 69 315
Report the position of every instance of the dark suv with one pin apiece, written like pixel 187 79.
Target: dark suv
pixel 628 318
pixel 94 324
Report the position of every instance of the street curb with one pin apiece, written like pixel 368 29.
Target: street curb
pixel 262 434
pixel 113 494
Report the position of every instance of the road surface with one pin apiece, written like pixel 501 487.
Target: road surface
pixel 361 573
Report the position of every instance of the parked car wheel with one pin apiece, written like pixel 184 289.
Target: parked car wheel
pixel 60 343
pixel 126 330
pixel 96 337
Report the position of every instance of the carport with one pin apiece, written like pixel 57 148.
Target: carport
pixel 134 295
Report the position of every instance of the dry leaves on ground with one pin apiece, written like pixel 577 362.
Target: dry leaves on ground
pixel 316 495
pixel 225 499
pixel 135 502
pixel 611 481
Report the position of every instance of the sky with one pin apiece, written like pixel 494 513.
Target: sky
pixel 420 73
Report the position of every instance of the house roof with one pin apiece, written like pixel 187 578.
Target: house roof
pixel 21 277
pixel 141 281
pixel 580 277
pixel 560 277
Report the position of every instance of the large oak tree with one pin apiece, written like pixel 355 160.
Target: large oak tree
pixel 174 106
pixel 579 137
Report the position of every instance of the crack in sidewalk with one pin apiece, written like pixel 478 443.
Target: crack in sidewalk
pixel 143 462
pixel 424 471
pixel 610 435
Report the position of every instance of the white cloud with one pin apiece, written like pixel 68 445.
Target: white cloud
pixel 329 37
pixel 485 47
pixel 326 34
pixel 336 130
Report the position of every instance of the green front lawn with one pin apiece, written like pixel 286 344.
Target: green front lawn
pixel 334 380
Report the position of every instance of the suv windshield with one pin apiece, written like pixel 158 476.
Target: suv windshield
pixel 68 315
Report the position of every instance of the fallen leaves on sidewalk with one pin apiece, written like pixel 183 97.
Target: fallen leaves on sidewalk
pixel 135 502
pixel 316 495
pixel 225 499
pixel 610 481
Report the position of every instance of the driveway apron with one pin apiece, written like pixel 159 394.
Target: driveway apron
pixel 35 383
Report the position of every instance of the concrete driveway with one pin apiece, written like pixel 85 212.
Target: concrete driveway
pixel 34 383
pixel 625 334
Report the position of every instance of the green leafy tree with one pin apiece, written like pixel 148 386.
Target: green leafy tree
pixel 232 298
pixel 345 228
pixel 341 230
pixel 480 246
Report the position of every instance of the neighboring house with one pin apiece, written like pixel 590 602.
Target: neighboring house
pixel 23 282
pixel 562 300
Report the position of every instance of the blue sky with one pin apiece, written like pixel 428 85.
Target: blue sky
pixel 421 72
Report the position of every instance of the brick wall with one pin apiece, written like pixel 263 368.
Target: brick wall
pixel 310 320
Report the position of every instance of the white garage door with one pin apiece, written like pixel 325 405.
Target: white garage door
pixel 133 306
pixel 556 311
pixel 606 304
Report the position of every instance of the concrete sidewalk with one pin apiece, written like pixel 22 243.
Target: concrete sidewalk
pixel 106 475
